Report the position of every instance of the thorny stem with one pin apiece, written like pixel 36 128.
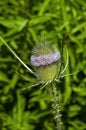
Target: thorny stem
pixel 55 106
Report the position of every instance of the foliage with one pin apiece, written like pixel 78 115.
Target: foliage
pixel 21 23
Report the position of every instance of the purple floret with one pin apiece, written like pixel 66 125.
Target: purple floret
pixel 45 59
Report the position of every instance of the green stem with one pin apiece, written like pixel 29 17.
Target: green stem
pixel 56 107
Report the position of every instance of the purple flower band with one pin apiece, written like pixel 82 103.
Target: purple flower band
pixel 45 59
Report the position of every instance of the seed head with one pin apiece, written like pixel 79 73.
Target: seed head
pixel 45 60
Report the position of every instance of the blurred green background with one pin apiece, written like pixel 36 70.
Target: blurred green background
pixel 21 23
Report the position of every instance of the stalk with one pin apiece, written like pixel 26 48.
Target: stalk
pixel 56 107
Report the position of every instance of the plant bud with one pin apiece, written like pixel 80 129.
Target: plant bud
pixel 45 60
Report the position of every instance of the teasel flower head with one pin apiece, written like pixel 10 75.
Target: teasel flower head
pixel 47 63
pixel 46 60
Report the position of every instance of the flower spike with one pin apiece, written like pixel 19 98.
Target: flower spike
pixel 45 60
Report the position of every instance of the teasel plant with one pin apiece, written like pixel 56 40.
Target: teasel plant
pixel 48 69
